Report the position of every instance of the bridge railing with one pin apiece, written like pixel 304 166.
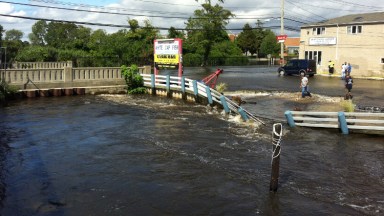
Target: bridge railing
pixel 198 89
pixel 342 120
pixel 65 76
pixel 21 76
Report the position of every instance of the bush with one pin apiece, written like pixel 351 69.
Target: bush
pixel 347 105
pixel 133 79
pixel 6 92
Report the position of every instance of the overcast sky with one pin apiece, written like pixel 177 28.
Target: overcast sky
pixel 167 13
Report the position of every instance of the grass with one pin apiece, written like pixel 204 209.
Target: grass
pixel 348 105
pixel 221 87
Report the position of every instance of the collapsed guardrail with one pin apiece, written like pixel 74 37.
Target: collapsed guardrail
pixel 198 90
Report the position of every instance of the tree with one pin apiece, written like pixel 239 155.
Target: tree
pixel 13 35
pixel 1 35
pixel 247 40
pixel 208 27
pixel 259 34
pixel 39 30
pixel 173 33
pixel 269 44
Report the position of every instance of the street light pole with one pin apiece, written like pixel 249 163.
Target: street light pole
pixel 282 33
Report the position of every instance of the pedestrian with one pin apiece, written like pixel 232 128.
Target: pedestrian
pixel 331 67
pixel 304 87
pixel 344 68
pixel 349 69
pixel 348 86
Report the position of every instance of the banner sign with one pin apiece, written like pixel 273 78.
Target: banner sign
pixel 167 51
pixel 318 41
pixel 281 38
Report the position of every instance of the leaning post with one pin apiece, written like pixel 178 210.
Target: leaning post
pixel 276 149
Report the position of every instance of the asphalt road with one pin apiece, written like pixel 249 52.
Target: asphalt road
pixel 263 78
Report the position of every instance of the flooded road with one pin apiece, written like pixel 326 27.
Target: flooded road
pixel 143 155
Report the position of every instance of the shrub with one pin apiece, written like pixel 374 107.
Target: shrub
pixel 347 105
pixel 133 79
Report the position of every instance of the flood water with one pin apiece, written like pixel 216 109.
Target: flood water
pixel 144 155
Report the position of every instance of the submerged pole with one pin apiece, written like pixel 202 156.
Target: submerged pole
pixel 276 149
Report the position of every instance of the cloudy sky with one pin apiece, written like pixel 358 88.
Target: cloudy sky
pixel 22 14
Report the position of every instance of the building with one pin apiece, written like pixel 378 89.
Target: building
pixel 357 39
pixel 292 46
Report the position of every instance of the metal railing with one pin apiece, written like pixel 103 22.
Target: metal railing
pixel 342 120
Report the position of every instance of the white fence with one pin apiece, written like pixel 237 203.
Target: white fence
pixel 344 121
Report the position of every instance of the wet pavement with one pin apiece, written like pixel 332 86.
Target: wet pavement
pixel 144 155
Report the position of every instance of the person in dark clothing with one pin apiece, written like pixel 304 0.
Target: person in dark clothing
pixel 348 86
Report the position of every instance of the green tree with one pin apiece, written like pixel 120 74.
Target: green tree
pixel 247 40
pixel 208 27
pixel 13 43
pixel 269 44
pixel 36 53
pixel 259 34
pixel 13 35
pixel 39 30
pixel 1 35
pixel 173 33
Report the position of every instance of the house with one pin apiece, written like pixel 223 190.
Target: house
pixel 292 46
pixel 356 39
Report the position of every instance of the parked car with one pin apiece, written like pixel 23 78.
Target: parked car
pixel 298 67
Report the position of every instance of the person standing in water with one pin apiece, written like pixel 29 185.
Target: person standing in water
pixel 304 87
pixel 348 86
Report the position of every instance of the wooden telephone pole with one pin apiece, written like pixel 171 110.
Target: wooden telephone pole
pixel 282 33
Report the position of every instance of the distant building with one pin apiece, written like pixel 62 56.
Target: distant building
pixel 232 37
pixel 357 39
pixel 292 46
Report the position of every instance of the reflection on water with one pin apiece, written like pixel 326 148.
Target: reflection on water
pixel 143 155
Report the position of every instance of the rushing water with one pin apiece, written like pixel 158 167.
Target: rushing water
pixel 143 155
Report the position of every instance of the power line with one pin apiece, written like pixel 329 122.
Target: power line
pixel 116 13
pixel 112 25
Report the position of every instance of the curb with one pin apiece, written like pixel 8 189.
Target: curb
pixel 354 77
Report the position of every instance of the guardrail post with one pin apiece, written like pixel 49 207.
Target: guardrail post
pixel 277 133
pixel 243 114
pixel 290 121
pixel 153 86
pixel 183 94
pixel 195 90
pixel 342 123
pixel 225 104
pixel 209 95
pixel 183 85
pixel 168 83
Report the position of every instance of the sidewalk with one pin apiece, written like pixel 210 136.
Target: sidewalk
pixel 354 77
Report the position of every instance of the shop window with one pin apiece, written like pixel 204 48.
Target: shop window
pixel 314 55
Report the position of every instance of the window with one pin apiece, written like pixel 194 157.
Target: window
pixel 355 29
pixel 382 60
pixel 314 55
pixel 318 31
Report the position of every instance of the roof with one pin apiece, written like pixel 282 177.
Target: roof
pixel 367 18
pixel 292 42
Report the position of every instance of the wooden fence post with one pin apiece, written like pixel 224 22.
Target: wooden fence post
pixel 276 149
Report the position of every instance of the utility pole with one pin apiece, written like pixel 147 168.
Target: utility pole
pixel 282 33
